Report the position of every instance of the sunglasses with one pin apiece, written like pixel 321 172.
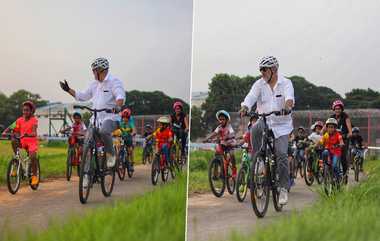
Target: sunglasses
pixel 263 69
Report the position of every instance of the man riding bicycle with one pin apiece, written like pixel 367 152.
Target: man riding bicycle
pixel 105 91
pixel 273 92
pixel 180 124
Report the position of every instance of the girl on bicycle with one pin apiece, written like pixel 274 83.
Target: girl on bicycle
pixel 26 129
pixel 333 142
pixel 180 124
pixel 226 136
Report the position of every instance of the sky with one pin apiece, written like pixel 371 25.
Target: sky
pixel 330 43
pixel 147 42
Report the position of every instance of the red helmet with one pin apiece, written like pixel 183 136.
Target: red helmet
pixel 30 104
pixel 126 113
pixel 318 123
pixel 176 104
pixel 336 103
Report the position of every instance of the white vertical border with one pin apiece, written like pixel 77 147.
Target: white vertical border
pixel 191 88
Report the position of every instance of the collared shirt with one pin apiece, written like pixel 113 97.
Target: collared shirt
pixel 103 95
pixel 269 100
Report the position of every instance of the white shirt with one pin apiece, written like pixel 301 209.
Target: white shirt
pixel 103 95
pixel 315 137
pixel 268 101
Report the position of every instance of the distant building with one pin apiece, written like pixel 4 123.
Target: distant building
pixel 198 98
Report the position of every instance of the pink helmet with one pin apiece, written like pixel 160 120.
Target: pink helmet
pixel 176 104
pixel 336 103
pixel 319 123
pixel 126 113
pixel 30 104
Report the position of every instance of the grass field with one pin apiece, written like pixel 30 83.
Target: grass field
pixel 350 215
pixel 158 215
pixel 52 159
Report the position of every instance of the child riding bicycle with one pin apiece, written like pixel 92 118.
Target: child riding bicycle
pixel 332 141
pixel 127 131
pixel 163 137
pixel 78 131
pixel 26 129
pixel 356 143
pixel 226 136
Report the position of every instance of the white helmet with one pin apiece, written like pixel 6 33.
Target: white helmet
pixel 268 62
pixel 100 63
pixel 331 121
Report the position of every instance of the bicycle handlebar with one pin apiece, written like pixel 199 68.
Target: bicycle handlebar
pixel 92 110
pixel 277 113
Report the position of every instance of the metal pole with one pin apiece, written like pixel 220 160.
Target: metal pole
pixel 369 129
pixel 49 122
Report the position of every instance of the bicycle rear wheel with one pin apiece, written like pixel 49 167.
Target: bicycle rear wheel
pixel 216 177
pixel 85 177
pixel 155 169
pixel 128 165
pixel 327 180
pixel 35 187
pixel 107 178
pixel 259 186
pixel 241 184
pixel 14 172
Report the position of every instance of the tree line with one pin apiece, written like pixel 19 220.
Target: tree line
pixel 228 91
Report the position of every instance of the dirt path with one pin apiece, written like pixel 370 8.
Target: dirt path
pixel 59 199
pixel 212 218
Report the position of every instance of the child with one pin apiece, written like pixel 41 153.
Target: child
pixel 332 140
pixel 26 128
pixel 128 130
pixel 78 131
pixel 147 132
pixel 226 135
pixel 163 137
pixel 247 134
pixel 356 142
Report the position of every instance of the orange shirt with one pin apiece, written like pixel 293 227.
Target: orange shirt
pixel 331 141
pixel 26 127
pixel 162 137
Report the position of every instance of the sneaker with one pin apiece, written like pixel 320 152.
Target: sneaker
pixel 111 161
pixel 283 199
pixel 34 180
pixel 131 167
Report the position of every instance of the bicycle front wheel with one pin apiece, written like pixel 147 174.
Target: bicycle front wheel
pixel 85 177
pixel 69 161
pixel 155 170
pixel 230 180
pixel 259 185
pixel 241 183
pixel 216 177
pixel 14 175
pixel 308 172
pixel 356 168
pixel 107 179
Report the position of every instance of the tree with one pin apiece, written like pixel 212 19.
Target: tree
pixel 197 126
pixel 10 107
pixel 151 103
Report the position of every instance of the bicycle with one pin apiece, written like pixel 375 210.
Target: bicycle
pixel 332 181
pixel 242 181
pixel 220 171
pixel 93 167
pixel 299 159
pixel 357 161
pixel 19 168
pixel 312 168
pixel 178 157
pixel 147 152
pixel 264 177
pixel 161 165
pixel 124 160
pixel 73 155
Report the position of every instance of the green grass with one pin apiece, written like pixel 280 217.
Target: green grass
pixel 350 215
pixel 158 215
pixel 52 159
pixel 198 177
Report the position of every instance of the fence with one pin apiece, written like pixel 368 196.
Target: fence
pixel 368 120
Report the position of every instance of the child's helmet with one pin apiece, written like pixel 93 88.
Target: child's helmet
pixel 332 121
pixel 30 104
pixel 355 130
pixel 222 112
pixel 164 120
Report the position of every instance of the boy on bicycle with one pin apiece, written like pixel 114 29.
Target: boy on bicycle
pixel 356 143
pixel 26 129
pixel 163 137
pixel 226 136
pixel 147 132
pixel 247 134
pixel 127 131
pixel 332 141
pixel 78 132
